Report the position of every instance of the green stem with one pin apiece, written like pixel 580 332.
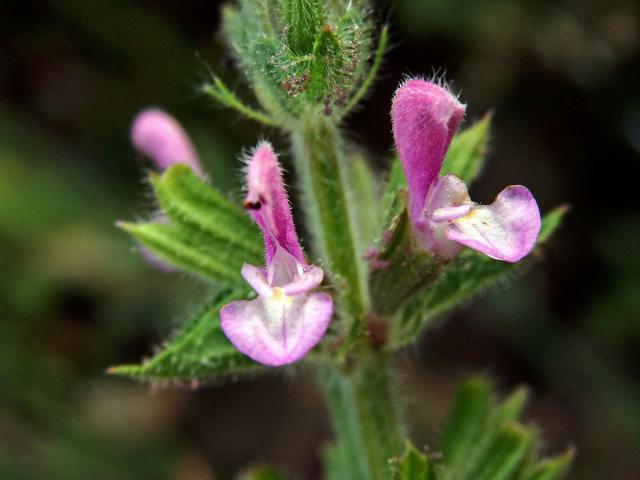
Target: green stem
pixel 364 418
pixel 320 164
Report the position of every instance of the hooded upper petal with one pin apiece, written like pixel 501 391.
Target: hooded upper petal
pixel 159 136
pixel 277 330
pixel 425 117
pixel 505 230
pixel 268 203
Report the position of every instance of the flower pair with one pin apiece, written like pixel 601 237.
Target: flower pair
pixel 289 316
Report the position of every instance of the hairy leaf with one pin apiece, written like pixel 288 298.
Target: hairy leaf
pixel 187 250
pixel 187 200
pixel 198 351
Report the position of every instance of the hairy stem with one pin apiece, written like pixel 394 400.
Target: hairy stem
pixel 320 163
pixel 364 418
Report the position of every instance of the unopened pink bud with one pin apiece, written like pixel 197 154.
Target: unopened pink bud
pixel 160 137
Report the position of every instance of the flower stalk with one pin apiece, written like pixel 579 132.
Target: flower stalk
pixel 366 422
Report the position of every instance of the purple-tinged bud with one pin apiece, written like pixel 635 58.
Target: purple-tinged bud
pixel 160 137
pixel 268 204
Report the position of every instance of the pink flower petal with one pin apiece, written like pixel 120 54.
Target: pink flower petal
pixel 310 279
pixel 278 330
pixel 505 230
pixel 425 117
pixel 255 277
pixel 447 199
pixel 269 205
pixel 159 136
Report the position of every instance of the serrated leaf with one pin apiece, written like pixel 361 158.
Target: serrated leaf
pixel 209 259
pixel 463 278
pixel 466 155
pixel 551 469
pixel 187 200
pixel 198 351
pixel 414 465
pixel 467 421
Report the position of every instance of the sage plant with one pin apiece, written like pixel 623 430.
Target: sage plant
pixel 384 255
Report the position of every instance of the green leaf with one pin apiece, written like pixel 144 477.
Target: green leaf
pixel 464 277
pixel 504 455
pixel 551 469
pixel 206 235
pixel 414 465
pixel 551 222
pixel 467 421
pixel 483 441
pixel 466 155
pixel 186 250
pixel 198 351
pixel 511 408
pixel 188 201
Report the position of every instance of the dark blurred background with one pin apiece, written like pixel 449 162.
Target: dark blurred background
pixel 562 79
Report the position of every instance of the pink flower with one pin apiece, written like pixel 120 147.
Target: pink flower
pixel 160 137
pixel 286 319
pixel 425 118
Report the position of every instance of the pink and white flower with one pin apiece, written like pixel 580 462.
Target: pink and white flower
pixel 288 317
